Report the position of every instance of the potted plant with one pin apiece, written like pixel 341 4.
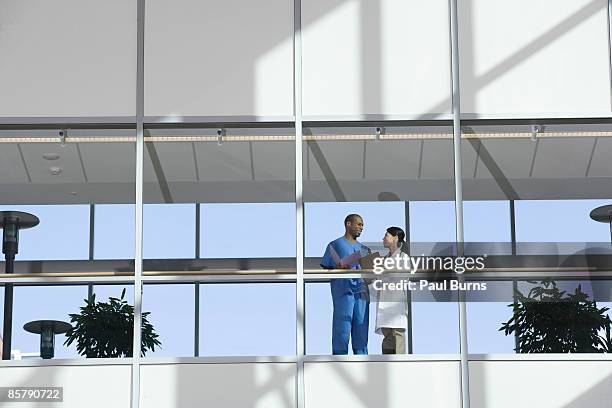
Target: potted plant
pixel 549 320
pixel 105 329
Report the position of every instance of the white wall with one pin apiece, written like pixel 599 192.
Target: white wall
pixel 382 384
pixel 391 384
pixel 67 58
pixel 388 57
pixel 219 58
pixel 84 386
pixel 534 56
pixel 248 385
pixel 542 384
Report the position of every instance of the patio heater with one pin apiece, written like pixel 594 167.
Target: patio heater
pixel 11 222
pixel 603 214
pixel 47 330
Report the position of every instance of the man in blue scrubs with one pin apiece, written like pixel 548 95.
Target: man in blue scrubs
pixel 350 296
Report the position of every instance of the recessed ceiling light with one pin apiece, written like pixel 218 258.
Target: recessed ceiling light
pixel 55 170
pixel 51 156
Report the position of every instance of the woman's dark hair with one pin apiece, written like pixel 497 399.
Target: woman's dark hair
pixel 397 232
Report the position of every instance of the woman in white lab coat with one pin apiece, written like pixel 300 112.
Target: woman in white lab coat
pixel 392 305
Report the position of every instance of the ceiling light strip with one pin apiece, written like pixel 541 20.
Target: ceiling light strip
pixel 79 139
pixel 282 138
pixel 507 135
pixel 226 138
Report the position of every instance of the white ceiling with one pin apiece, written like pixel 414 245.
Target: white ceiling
pixel 333 170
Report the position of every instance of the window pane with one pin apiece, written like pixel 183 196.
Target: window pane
pixel 270 229
pixel 486 221
pixel 114 231
pixel 172 315
pixel 485 318
pixel 219 199
pixel 1 310
pixel 104 292
pixel 62 180
pixel 44 303
pixel 169 231
pixel 63 232
pixel 561 226
pixel 318 321
pixel 247 319
pixel 573 322
pixel 324 222
pixel 61 176
pixel 432 227
pixel 435 322
pixel 555 173
pixel 393 176
pixel 487 227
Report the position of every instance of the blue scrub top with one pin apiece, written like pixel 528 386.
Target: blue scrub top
pixel 344 248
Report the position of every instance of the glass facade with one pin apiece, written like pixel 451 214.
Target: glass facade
pixel 206 199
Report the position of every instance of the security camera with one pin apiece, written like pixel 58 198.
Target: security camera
pixel 220 134
pixel 536 130
pixel 62 133
pixel 379 131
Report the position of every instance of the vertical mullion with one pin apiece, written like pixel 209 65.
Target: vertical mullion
pixel 197 231
pixel 92 218
pixel 407 225
pixel 610 49
pixel 299 203
pixel 514 280
pixel 515 304
pixel 92 225
pixel 456 107
pixel 140 23
pixel 409 292
pixel 196 325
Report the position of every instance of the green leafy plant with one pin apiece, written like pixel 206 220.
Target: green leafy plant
pixel 106 329
pixel 549 320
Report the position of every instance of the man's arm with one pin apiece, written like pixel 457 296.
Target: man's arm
pixel 331 260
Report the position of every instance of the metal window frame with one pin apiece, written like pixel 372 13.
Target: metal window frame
pixel 140 42
pixel 300 346
pixel 140 120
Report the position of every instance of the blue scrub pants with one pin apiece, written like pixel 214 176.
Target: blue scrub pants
pixel 351 317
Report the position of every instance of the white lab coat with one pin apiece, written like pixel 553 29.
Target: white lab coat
pixel 394 313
